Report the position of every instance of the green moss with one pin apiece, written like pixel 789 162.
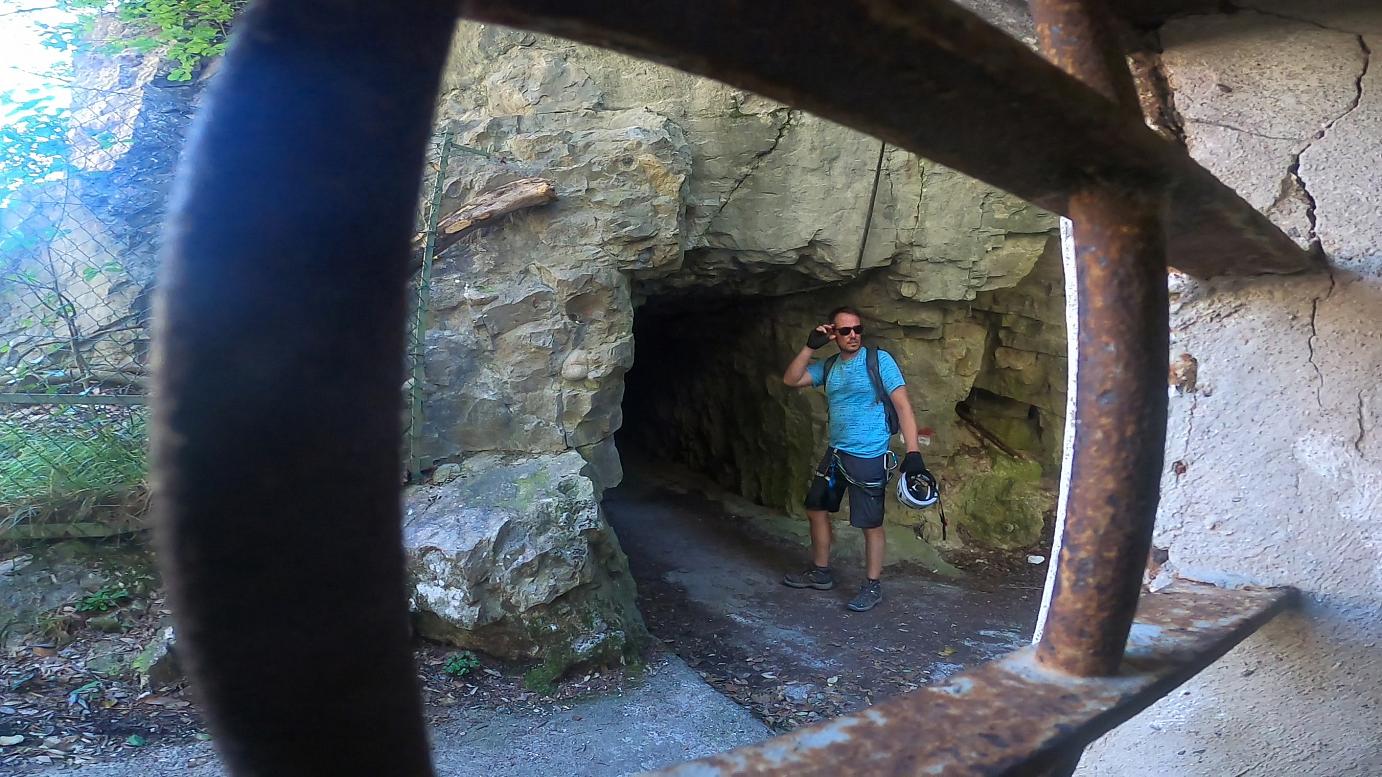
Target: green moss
pixel 532 487
pixel 580 647
pixel 1003 507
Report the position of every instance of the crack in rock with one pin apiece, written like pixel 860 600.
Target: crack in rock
pixel 1293 169
pixel 1222 125
pixel 1190 426
pixel 1293 175
pixel 1362 430
pixel 757 161
pixel 1357 91
pixel 1290 18
pixel 1314 335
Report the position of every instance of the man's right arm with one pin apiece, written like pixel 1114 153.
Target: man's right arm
pixel 798 374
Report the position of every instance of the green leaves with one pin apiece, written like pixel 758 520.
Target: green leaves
pixel 461 664
pixel 190 31
pixel 34 138
pixel 104 600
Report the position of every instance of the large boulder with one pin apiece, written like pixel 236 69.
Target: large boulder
pixel 514 558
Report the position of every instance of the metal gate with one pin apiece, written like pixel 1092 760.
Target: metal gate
pixel 290 692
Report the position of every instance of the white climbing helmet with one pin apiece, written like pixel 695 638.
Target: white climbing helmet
pixel 918 490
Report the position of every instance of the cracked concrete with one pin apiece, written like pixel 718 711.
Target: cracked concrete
pixel 1250 115
pixel 1279 479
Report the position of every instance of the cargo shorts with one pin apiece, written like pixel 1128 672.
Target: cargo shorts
pixel 864 478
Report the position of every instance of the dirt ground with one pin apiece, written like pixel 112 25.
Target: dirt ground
pixel 710 589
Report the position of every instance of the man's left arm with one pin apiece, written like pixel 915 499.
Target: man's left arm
pixel 906 420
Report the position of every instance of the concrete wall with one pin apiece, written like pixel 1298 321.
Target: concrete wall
pixel 1280 481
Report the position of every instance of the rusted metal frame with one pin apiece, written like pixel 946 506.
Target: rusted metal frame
pixel 1120 398
pixel 936 80
pixel 1012 716
pixel 1120 429
pixel 278 344
pixel 285 270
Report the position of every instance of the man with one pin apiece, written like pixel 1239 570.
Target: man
pixel 855 459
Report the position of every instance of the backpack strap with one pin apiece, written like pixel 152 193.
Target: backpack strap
pixel 825 369
pixel 876 375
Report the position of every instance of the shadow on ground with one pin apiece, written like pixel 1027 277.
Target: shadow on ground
pixel 710 589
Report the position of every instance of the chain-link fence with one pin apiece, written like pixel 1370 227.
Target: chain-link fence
pixel 76 281
pixel 73 369
pixel 424 247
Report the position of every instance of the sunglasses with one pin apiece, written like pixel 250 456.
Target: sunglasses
pixel 846 330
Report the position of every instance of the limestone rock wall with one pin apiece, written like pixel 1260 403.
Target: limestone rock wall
pixel 1273 473
pixel 674 188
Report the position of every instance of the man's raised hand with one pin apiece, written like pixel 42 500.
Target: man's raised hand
pixel 819 336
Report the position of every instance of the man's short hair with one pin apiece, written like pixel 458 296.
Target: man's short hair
pixel 844 309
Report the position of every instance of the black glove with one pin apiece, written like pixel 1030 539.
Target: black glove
pixel 912 464
pixel 816 339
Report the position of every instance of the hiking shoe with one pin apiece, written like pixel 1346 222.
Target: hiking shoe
pixel 870 594
pixel 814 577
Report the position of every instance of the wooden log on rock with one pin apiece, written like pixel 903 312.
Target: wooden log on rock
pixel 485 207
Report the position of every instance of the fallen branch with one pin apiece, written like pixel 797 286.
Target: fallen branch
pixel 68 531
pixel 988 436
pixel 485 207
pixel 131 377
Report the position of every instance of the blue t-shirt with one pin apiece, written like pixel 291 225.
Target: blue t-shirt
pixel 858 423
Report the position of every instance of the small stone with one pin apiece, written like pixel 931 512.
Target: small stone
pixel 156 663
pixel 110 623
pixel 445 473
pixel 12 565
pixel 577 366
pixel 1034 559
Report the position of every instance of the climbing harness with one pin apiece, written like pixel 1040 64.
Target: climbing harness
pixel 869 486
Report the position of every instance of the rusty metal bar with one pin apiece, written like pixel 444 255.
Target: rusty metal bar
pixel 1120 398
pixel 278 344
pixel 1078 37
pixel 935 79
pixel 1012 716
pixel 1120 430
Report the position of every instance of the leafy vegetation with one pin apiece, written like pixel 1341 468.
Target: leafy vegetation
pixel 187 31
pixel 461 664
pixel 34 133
pixel 104 600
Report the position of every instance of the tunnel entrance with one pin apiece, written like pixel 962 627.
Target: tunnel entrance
pixel 717 454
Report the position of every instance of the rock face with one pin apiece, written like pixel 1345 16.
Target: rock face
pixel 514 558
pixel 683 199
